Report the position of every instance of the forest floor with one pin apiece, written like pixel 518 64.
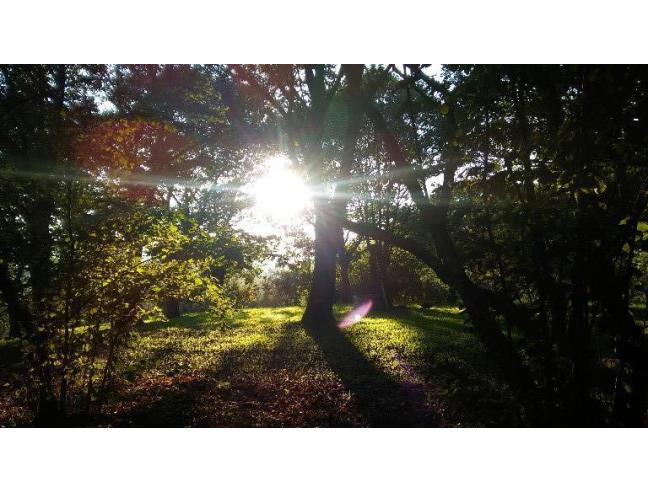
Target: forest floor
pixel 408 368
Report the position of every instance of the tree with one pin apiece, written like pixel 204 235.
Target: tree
pixel 90 242
pixel 301 97
pixel 537 144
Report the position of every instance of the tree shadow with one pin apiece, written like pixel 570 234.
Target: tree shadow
pixel 474 389
pixel 172 401
pixel 278 386
pixel 227 394
pixel 383 400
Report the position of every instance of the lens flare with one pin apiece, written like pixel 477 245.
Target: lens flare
pixel 356 314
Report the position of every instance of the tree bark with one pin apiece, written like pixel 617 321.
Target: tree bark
pixel 19 319
pixel 379 297
pixel 478 303
pixel 346 291
pixel 171 307
pixel 319 308
pixel 631 385
pixel 354 105
pixel 328 232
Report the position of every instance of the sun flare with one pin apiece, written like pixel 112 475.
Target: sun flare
pixel 280 194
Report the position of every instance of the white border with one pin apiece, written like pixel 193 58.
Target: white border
pixel 322 460
pixel 480 31
pixel 289 31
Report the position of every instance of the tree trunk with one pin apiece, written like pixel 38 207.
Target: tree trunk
pixel 19 319
pixel 631 386
pixel 346 292
pixel 319 308
pixel 14 327
pixel 478 301
pixel 379 297
pixel 353 74
pixel 171 307
pixel 579 343
pixel 41 245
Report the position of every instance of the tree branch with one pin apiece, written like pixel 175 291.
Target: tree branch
pixel 415 247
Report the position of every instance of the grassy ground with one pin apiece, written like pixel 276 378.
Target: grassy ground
pixel 409 368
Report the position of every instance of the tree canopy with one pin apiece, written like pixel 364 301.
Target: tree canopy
pixel 518 192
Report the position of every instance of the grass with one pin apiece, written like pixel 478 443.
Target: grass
pixel 409 368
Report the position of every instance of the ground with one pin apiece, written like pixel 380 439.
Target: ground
pixel 408 368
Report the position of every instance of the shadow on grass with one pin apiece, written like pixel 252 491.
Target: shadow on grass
pixel 282 385
pixel 234 392
pixel 173 401
pixel 383 401
pixel 318 377
pixel 475 389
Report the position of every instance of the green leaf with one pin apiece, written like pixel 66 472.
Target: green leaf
pixel 626 248
pixel 624 221
pixel 642 226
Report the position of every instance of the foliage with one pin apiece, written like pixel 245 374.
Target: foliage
pixel 407 279
pixel 521 190
pixel 99 227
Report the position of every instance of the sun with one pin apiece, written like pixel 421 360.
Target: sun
pixel 280 194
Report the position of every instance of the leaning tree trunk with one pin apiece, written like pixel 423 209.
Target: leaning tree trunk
pixel 448 265
pixel 478 307
pixel 319 308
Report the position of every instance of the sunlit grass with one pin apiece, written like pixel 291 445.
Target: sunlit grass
pixel 190 343
pixel 265 369
pixel 428 348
